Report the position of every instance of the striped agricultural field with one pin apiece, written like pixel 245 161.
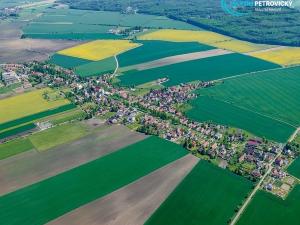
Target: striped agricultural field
pixel 30 103
pixel 209 195
pixel 202 69
pixel 88 182
pixel 264 103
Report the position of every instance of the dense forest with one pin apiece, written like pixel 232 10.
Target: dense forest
pixel 281 27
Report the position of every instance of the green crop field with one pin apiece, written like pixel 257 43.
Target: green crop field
pixel 208 195
pixel 72 36
pixel 14 147
pixel 264 103
pixel 81 185
pixel 68 62
pixel 18 130
pixel 107 65
pixel 266 208
pixel 203 69
pixel 58 135
pixel 294 168
pixel 152 50
pixel 210 109
pixel 87 24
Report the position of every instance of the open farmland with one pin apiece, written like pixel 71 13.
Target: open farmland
pixel 33 117
pixel 31 164
pixel 203 69
pixel 208 195
pixel 206 37
pixel 103 66
pixel 153 50
pixel 283 56
pixel 67 61
pixel 266 208
pixel 14 147
pixel 58 135
pixel 134 203
pixel 26 50
pixel 181 58
pixel 30 103
pixel 100 49
pixel 88 24
pixel 125 166
pixel 294 168
pixel 264 103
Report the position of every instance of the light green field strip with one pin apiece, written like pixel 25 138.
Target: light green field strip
pixel 86 183
pixel 14 147
pixel 58 135
pixel 209 195
pixel 263 103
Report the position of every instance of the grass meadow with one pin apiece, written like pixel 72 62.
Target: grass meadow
pixel 58 135
pixel 15 147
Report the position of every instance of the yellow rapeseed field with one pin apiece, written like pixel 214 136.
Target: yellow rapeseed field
pixel 26 104
pixel 283 56
pixel 205 37
pixel 240 46
pixel 99 49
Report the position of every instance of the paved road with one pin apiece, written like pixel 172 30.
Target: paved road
pixel 294 134
pixel 270 167
pixel 117 67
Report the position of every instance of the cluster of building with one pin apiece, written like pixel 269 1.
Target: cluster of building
pixel 168 99
pixel 232 149
pixel 15 73
pixel 6 12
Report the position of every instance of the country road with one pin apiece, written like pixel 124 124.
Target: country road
pixel 117 67
pixel 294 134
pixel 242 209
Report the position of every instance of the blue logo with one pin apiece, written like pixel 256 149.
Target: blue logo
pixel 237 7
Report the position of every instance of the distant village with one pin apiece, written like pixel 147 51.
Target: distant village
pixel 161 112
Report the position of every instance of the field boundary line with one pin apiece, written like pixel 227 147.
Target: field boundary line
pixel 181 58
pixel 117 65
pixel 196 161
pixel 249 199
pixel 250 73
pixel 261 114
pixel 293 136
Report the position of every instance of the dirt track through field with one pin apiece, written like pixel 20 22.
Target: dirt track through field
pixel 182 58
pixel 134 203
pixel 31 167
